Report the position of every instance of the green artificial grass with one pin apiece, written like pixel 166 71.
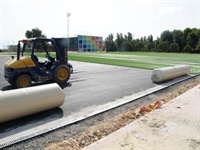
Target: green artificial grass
pixel 145 60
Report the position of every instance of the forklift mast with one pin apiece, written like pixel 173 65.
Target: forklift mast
pixel 18 50
pixel 62 48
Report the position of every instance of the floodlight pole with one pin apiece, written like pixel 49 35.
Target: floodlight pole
pixel 68 15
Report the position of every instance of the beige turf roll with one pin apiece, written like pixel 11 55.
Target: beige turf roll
pixel 164 74
pixel 26 101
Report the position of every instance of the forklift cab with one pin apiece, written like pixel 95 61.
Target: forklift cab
pixel 46 52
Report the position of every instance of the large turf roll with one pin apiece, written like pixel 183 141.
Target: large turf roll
pixel 26 101
pixel 168 73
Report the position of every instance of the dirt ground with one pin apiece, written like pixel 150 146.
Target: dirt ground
pixel 99 131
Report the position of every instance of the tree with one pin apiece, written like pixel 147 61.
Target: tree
pixel 139 46
pixel 186 32
pixel 144 40
pixel 36 32
pixel 134 42
pixel 197 49
pixel 129 37
pixel 178 38
pixel 187 40
pixel 119 41
pixel 174 47
pixel 28 34
pixel 150 47
pixel 167 36
pixel 193 38
pixel 156 42
pixel 150 39
pixel 163 46
pixel 110 44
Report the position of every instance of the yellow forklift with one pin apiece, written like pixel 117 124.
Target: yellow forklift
pixel 29 65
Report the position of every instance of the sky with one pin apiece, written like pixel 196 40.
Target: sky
pixel 95 17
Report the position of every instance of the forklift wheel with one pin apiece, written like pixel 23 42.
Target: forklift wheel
pixel 61 74
pixel 22 81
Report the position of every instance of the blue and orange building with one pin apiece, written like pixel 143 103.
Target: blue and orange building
pixel 83 43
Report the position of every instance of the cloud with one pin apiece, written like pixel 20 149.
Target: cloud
pixel 170 10
pixel 143 2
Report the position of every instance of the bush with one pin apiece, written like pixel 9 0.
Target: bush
pixel 111 47
pixel 139 46
pixel 197 49
pixel 174 47
pixel 150 47
pixel 163 46
pixel 127 46
pixel 187 49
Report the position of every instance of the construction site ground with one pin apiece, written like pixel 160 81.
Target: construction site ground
pixel 105 128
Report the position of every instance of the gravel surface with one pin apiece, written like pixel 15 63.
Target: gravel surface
pixel 83 133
